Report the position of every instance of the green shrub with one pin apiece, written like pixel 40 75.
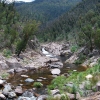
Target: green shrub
pixel 37 84
pixel 4 75
pixel 81 59
pixel 74 48
pixel 7 53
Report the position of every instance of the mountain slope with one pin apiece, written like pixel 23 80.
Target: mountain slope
pixel 45 10
pixel 68 22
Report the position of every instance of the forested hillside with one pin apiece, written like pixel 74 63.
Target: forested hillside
pixel 81 25
pixel 44 10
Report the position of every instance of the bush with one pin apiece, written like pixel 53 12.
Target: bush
pixel 74 48
pixel 4 75
pixel 7 53
pixel 37 84
pixel 81 59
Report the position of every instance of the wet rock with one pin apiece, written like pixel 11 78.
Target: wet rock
pixel 1 82
pixel 19 90
pixel 39 80
pixel 29 80
pixel 24 76
pixel 11 95
pixel 55 71
pixel 54 92
pixel 27 94
pixel 42 97
pixel 2 97
pixel 3 65
pixel 13 63
pixel 7 89
pixel 56 65
pixel 27 98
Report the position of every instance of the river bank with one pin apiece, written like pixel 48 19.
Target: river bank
pixel 42 66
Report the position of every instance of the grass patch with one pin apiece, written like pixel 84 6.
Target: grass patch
pixel 76 78
pixel 37 84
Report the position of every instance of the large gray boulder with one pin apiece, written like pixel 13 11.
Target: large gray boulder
pixel 3 65
pixel 7 89
pixel 13 63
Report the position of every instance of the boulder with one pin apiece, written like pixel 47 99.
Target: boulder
pixel 54 92
pixel 13 63
pixel 56 65
pixel 2 97
pixel 7 89
pixel 29 80
pixel 72 59
pixel 30 66
pixel 42 97
pixel 11 94
pixel 3 65
pixel 19 90
pixel 11 71
pixel 20 70
pixel 27 94
pixel 1 82
pixel 27 98
pixel 55 71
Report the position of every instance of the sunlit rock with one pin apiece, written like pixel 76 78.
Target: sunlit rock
pixel 89 76
pixel 55 71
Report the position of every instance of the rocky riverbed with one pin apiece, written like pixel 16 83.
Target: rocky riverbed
pixel 34 62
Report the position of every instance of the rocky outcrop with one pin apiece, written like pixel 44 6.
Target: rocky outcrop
pixel 13 63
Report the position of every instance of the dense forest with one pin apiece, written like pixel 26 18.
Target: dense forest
pixel 81 25
pixel 44 10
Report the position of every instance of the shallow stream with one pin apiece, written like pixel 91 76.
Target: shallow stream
pixel 42 75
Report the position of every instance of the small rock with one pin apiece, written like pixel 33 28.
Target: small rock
pixel 39 80
pixel 89 76
pixel 29 80
pixel 55 71
pixel 24 76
